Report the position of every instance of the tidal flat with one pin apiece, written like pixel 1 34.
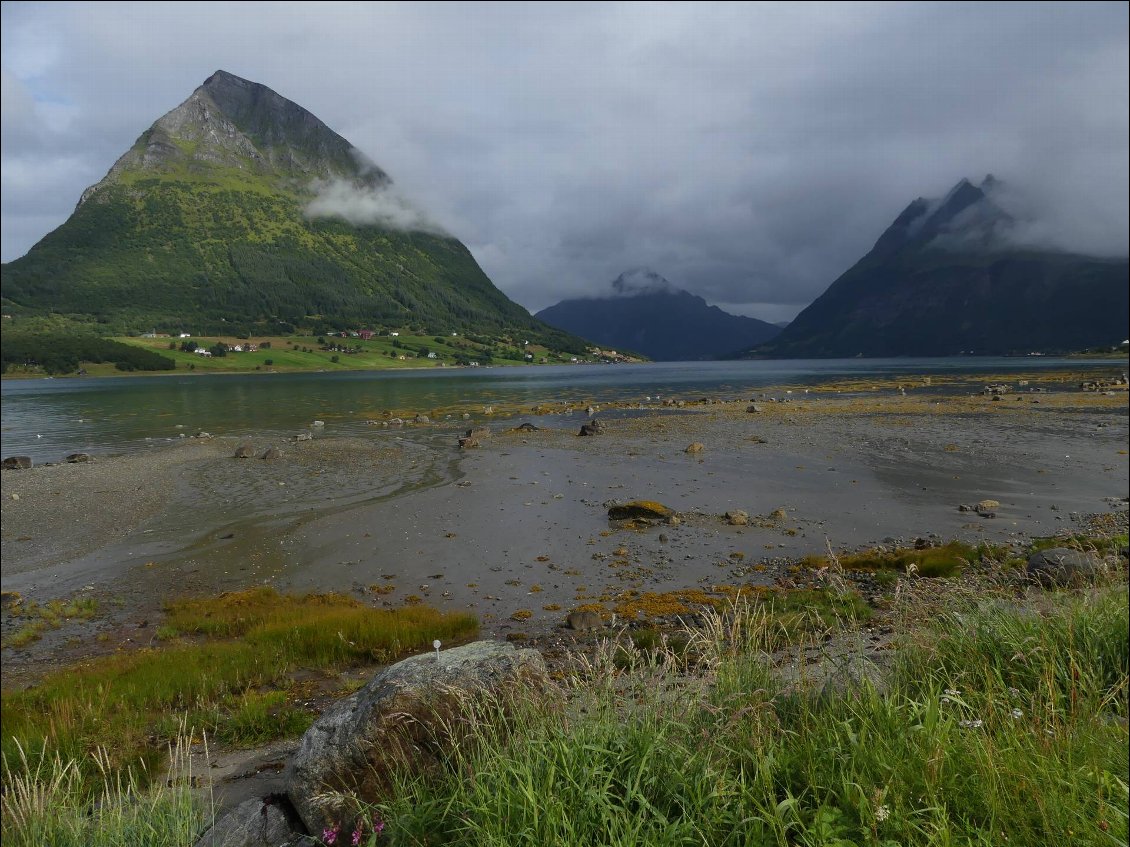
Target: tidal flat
pixel 516 530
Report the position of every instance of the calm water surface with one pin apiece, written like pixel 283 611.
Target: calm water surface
pixel 48 418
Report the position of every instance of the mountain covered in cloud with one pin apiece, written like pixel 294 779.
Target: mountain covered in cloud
pixel 239 210
pixel 967 273
pixel 645 314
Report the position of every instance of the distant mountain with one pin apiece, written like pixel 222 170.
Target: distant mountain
pixel 240 210
pixel 950 276
pixel 646 314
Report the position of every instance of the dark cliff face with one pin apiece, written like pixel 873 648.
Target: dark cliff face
pixel 204 223
pixel 945 279
pixel 652 317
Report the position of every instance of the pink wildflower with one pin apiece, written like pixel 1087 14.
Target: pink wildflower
pixel 329 835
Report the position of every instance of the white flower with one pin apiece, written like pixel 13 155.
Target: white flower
pixel 953 692
pixel 973 724
pixel 1016 713
pixel 882 813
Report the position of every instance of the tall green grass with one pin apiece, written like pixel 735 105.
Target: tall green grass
pixel 998 726
pixel 46 803
pixel 121 702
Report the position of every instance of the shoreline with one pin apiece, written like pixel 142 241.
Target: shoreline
pixel 1089 359
pixel 519 524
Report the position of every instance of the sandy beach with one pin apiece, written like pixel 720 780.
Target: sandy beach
pixel 517 529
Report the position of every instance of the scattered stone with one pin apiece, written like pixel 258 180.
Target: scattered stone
pixel 593 427
pixel 77 458
pixel 17 463
pixel 779 515
pixel 303 436
pixel 527 427
pixel 1061 567
pixel 406 720
pixel 271 453
pixel 244 451
pixel 253 823
pixel 737 517
pixel 478 432
pixel 640 510
pixel 466 442
pixel 695 447
pixel 421 419
pixel 753 408
pixel 583 621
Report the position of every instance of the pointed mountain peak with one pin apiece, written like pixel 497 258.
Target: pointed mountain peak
pixel 230 127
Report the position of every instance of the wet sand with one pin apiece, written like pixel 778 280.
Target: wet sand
pixel 520 523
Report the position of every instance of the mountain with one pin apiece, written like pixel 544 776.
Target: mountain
pixel 240 210
pixel 646 314
pixel 953 276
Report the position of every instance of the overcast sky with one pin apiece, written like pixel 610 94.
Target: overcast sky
pixel 748 153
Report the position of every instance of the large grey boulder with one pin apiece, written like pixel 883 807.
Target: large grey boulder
pixel 17 463
pixel 1060 567
pixel 407 719
pixel 253 823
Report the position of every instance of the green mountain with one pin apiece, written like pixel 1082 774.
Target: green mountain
pixel 646 314
pixel 948 277
pixel 241 211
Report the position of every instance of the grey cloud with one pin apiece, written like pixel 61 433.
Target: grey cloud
pixel 361 205
pixel 749 153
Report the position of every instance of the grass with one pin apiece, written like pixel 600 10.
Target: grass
pixel 305 353
pixel 232 682
pixel 46 802
pixel 39 617
pixel 944 561
pixel 1086 543
pixel 997 725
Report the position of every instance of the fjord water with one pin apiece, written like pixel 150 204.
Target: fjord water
pixel 49 418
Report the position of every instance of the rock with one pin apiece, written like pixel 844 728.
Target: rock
pixel 647 510
pixel 852 674
pixel 406 720
pixel 17 463
pixel 593 427
pixel 202 434
pixel 987 506
pixel 395 422
pixel 272 453
pixel 244 451
pixel 581 621
pixel 695 447
pixel 779 515
pixel 466 442
pixel 253 823
pixel 421 419
pixel 737 518
pixel 753 408
pixel 1063 568
pixel 527 427
pixel 77 458
pixel 478 432
pixel 303 436
pixel 318 423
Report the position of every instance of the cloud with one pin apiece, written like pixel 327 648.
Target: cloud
pixel 363 205
pixel 752 152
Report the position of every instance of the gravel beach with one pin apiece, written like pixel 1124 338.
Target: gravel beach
pixel 517 530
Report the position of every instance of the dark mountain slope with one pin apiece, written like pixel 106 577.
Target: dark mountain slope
pixel 657 320
pixel 947 278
